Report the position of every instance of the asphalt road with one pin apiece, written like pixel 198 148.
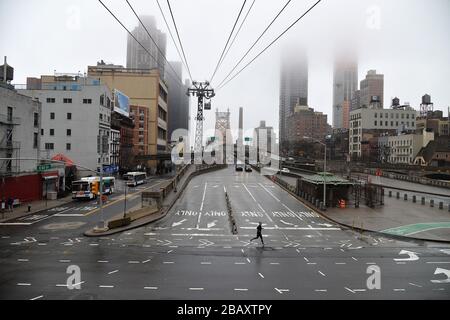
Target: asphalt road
pixel 192 254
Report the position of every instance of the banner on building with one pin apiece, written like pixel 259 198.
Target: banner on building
pixel 121 103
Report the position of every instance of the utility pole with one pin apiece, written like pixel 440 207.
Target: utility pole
pixel 202 91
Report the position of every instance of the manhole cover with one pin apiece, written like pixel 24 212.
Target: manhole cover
pixel 63 226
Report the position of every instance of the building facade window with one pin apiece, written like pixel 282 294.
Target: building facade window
pixel 36 120
pixel 49 146
pixel 51 100
pixel 69 116
pixel 67 100
pixel 42 132
pixel 52 132
pixel 35 140
pixel 87 101
pixel 52 116
pixel 68 146
pixel 69 132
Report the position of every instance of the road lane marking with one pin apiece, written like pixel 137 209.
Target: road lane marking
pixel 102 261
pixel 203 200
pixel 399 289
pixel 134 262
pixel 274 263
pixel 354 259
pixel 151 288
pixel 438 262
pixel 24 284
pixel 196 289
pixel 248 260
pixel 416 285
pixel 312 263
pixel 240 289
pixel 321 290
pixel 36 298
pixel 349 290
pixel 145 261
pixel 322 273
pixel 239 263
pixel 340 263
pixel 113 271
pixel 205 262
pixel 107 287
pixel 359 290
pixel 281 291
pixel 23 260
pixel 64 261
pixel 168 262
pixel 260 274
pixel 270 193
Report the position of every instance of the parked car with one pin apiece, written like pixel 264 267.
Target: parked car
pixel 285 170
pixel 248 168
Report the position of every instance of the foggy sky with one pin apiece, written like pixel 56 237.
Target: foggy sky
pixel 406 40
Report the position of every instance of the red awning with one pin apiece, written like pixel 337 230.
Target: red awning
pixel 61 157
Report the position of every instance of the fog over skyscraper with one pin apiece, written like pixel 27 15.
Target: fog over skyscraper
pixel 345 83
pixel 293 84
pixel 137 57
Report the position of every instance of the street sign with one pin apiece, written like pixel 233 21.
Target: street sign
pixel 44 167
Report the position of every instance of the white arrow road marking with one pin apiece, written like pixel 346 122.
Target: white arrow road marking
pixel 179 223
pixel 412 256
pixel 280 291
pixel 442 271
pixel 205 242
pixel 212 224
pixel 446 251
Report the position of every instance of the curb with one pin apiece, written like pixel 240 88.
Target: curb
pixel 387 235
pixel 90 234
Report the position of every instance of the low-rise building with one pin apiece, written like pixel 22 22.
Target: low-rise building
pixel 76 119
pixel 404 147
pixel 147 89
pixel 305 122
pixel 374 121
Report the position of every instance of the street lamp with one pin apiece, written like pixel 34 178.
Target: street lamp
pixel 324 170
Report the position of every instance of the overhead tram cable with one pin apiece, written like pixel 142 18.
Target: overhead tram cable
pixel 171 36
pixel 148 33
pixel 226 44
pixel 135 39
pixel 254 44
pixel 178 36
pixel 267 47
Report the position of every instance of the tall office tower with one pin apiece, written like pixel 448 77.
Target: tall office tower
pixel 345 83
pixel 371 86
pixel 137 57
pixel 179 108
pixel 293 85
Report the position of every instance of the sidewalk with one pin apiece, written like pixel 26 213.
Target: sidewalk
pixel 397 217
pixel 36 207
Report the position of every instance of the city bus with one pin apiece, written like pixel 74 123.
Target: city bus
pixel 89 188
pixel 135 178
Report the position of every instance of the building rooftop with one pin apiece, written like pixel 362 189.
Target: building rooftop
pixel 328 177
